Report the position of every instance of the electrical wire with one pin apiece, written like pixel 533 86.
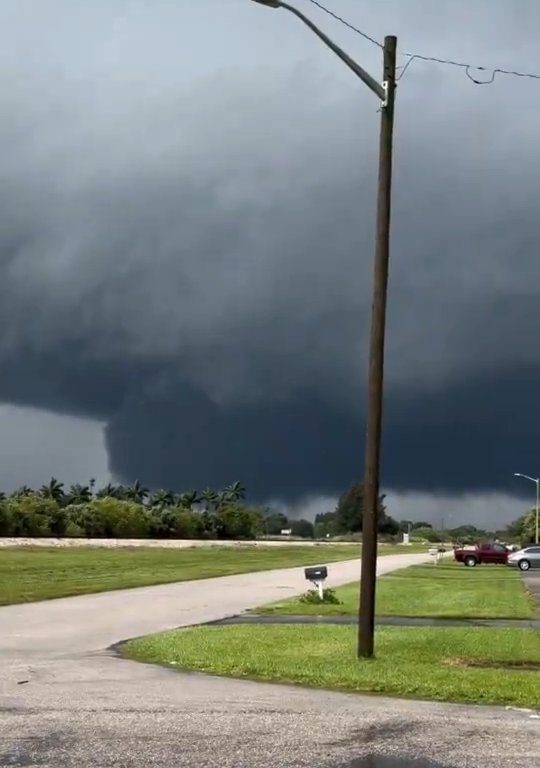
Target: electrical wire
pixel 345 23
pixel 467 68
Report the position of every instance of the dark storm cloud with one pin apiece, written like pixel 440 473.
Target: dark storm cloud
pixel 194 267
pixel 471 436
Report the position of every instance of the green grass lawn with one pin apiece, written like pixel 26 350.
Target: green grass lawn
pixel 39 574
pixel 426 663
pixel 448 590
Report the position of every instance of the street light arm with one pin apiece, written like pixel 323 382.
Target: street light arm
pixel 366 78
pixel 527 477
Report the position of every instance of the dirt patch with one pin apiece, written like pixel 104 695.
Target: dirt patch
pixel 514 666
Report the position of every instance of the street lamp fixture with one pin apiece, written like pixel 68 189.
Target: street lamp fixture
pixel 385 92
pixel 535 480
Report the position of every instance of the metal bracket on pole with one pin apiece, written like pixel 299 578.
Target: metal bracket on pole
pixel 385 99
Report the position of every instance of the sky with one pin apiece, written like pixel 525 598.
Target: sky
pixel 186 241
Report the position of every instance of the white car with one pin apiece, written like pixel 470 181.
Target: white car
pixel 528 557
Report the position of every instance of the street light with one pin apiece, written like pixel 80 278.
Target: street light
pixel 385 92
pixel 537 481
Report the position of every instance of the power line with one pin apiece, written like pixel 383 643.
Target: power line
pixel 467 68
pixel 345 23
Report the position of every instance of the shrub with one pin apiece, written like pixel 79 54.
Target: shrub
pixel 238 522
pixel 81 517
pixel 58 521
pixel 425 534
pixel 73 531
pixel 121 519
pixel 159 523
pixel 312 597
pixel 31 515
pixel 187 524
pixel 302 528
pixel 174 523
pixel 110 517
pixel 6 523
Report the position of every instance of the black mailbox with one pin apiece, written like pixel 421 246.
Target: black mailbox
pixel 317 573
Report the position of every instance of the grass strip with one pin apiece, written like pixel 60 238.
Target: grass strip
pixel 27 575
pixel 448 590
pixel 480 666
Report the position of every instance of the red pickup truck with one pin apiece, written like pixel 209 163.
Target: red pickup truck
pixel 482 553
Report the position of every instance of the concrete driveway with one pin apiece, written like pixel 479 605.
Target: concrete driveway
pixel 67 701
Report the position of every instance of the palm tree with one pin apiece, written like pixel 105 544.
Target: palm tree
pixel 222 498
pixel 188 499
pixel 137 492
pixel 24 490
pixel 209 497
pixel 121 492
pixel 110 491
pixel 235 491
pixel 162 498
pixel 79 494
pixel 53 490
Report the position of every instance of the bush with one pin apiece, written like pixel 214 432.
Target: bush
pixel 58 521
pixel 312 597
pixel 187 524
pixel 159 523
pixel 425 534
pixel 110 518
pixel 81 517
pixel 73 531
pixel 302 528
pixel 6 523
pixel 31 515
pixel 174 523
pixel 238 522
pixel 123 519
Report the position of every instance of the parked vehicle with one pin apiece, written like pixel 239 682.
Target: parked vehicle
pixel 482 553
pixel 526 558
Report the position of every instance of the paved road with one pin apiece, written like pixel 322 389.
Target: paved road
pixel 67 701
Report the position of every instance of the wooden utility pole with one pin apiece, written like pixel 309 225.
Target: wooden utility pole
pixel 386 95
pixel 366 618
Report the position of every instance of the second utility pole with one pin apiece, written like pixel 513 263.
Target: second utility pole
pixel 366 618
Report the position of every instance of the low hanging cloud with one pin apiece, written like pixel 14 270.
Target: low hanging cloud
pixel 487 511
pixel 189 261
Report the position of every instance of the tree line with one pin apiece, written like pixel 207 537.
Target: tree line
pixel 132 511
pixel 520 531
